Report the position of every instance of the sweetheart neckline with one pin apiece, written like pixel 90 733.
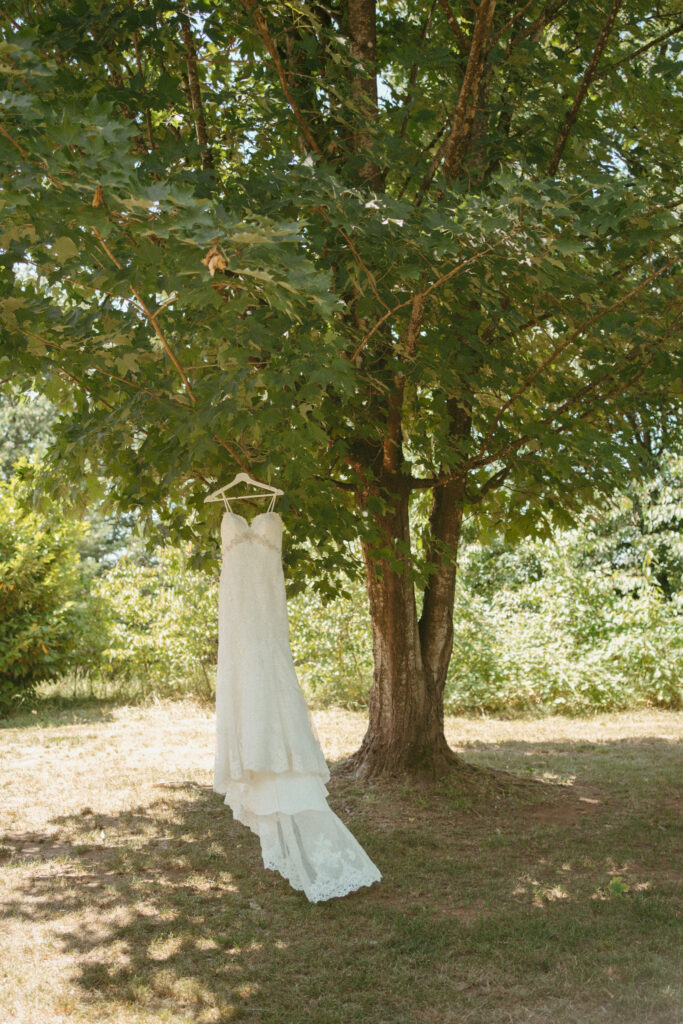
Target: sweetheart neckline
pixel 259 515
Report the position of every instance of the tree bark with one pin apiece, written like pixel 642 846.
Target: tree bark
pixel 362 22
pixel 436 620
pixel 405 731
pixel 195 93
pixel 587 78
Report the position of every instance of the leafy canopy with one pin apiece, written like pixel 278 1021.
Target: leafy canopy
pixel 227 244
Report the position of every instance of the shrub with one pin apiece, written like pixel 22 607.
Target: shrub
pixel 48 619
pixel 575 640
pixel 163 622
pixel 332 647
pixel 545 626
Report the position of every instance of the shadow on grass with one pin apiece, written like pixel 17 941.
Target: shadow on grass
pixel 61 711
pixel 485 914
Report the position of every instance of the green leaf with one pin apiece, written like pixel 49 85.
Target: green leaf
pixel 65 249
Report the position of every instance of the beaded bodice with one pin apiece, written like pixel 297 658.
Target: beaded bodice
pixel 265 531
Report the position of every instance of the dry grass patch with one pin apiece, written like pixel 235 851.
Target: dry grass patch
pixel 129 895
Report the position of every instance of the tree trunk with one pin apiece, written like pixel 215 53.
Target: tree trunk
pixel 405 731
pixel 436 620
pixel 362 23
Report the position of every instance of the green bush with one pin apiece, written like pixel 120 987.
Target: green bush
pixel 581 623
pixel 48 617
pixel 574 640
pixel 162 632
pixel 332 647
pixel 162 623
pixel 536 629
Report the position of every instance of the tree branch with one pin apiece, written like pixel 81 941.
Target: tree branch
pixel 493 482
pixel 356 255
pixel 423 295
pixel 536 27
pixel 579 395
pixel 362 26
pixel 17 145
pixel 84 387
pixel 109 375
pixel 196 93
pixel 262 28
pixel 508 24
pixel 361 264
pixel 641 49
pixel 453 25
pixel 97 289
pixel 341 484
pixel 413 71
pixel 12 22
pixel 393 441
pixel 139 387
pixel 629 358
pixel 234 454
pixel 151 317
pixel 439 134
pixel 39 161
pixel 588 75
pixel 557 351
pixel 164 305
pixel 452 149
pixel 414 326
pixel 520 441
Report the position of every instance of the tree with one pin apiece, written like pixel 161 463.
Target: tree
pixel 26 434
pixel 643 527
pixel 384 254
pixel 25 423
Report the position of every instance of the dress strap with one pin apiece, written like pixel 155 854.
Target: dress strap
pixel 226 502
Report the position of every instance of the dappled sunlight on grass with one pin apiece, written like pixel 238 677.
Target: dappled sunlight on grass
pixel 129 894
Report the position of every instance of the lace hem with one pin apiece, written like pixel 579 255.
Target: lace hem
pixel 328 890
pixel 315 853
pixel 311 848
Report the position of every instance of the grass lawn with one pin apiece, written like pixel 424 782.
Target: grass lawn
pixel 129 896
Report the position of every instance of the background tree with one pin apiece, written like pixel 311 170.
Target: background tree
pixel 644 526
pixel 383 253
pixel 25 429
pixel 26 435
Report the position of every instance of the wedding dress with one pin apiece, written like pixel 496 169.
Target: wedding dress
pixel 269 763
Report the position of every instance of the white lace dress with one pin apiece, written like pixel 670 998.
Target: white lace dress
pixel 268 762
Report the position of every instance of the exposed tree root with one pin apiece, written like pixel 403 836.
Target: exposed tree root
pixel 437 764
